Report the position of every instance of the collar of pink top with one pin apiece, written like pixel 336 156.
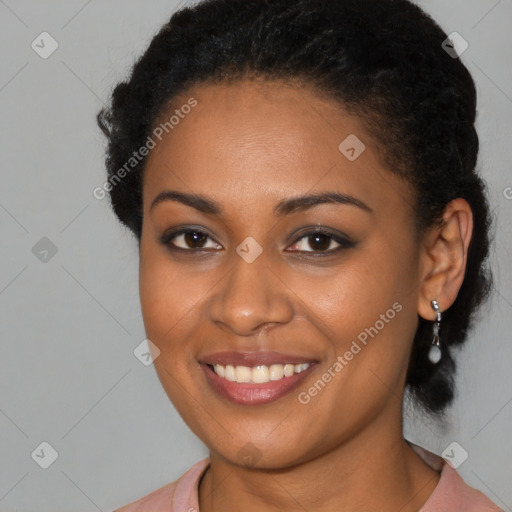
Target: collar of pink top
pixel 451 493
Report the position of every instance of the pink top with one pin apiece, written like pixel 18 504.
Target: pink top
pixel 451 493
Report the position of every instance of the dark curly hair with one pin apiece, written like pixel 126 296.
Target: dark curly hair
pixel 382 60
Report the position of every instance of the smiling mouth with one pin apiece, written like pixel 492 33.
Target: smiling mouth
pixel 255 385
pixel 259 374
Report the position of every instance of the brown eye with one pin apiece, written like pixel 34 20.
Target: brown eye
pixel 188 240
pixel 321 241
pixel 195 238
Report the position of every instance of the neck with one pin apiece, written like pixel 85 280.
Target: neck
pixel 373 470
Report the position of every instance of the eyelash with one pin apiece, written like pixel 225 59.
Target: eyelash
pixel 344 242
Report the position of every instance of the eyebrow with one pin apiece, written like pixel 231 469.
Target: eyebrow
pixel 284 207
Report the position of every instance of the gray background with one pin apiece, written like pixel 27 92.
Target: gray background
pixel 69 325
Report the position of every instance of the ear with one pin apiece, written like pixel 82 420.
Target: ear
pixel 443 258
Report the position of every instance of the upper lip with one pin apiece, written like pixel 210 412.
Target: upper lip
pixel 268 357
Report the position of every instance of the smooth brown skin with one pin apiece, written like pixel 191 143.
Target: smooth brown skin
pixel 248 145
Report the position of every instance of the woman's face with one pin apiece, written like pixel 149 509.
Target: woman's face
pixel 251 288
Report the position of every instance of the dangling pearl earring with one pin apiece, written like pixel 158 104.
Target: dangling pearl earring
pixel 434 353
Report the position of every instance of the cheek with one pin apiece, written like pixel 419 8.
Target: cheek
pixel 352 296
pixel 368 310
pixel 170 303
pixel 170 298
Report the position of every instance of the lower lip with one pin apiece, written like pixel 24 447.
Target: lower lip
pixel 252 393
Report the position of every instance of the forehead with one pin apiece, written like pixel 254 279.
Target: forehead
pixel 252 141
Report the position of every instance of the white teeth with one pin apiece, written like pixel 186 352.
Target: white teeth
pixel 243 374
pixel 229 373
pixel 276 371
pixel 258 374
pixel 219 370
pixel 289 370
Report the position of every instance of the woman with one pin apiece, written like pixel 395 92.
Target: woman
pixel 300 177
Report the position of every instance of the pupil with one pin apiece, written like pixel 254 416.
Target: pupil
pixel 193 237
pixel 320 246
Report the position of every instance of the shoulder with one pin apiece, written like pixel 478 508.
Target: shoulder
pixel 452 493
pixel 178 495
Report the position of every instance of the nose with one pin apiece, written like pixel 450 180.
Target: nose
pixel 250 298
